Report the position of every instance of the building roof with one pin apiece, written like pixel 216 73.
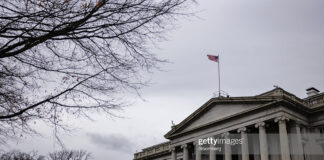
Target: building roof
pixel 312 88
pixel 265 99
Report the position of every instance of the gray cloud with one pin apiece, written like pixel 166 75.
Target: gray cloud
pixel 261 44
pixel 115 142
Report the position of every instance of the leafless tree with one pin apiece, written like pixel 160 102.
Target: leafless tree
pixel 17 155
pixel 58 155
pixel 70 155
pixel 73 57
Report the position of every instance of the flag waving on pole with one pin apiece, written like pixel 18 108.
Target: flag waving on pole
pixel 216 59
pixel 213 58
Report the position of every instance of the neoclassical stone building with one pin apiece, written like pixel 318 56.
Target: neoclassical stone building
pixel 275 125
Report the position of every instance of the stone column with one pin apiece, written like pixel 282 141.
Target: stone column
pixel 245 143
pixel 283 137
pixel 227 147
pixel 212 152
pixel 263 141
pixel 304 135
pixel 173 154
pixel 185 152
pixel 300 151
pixel 197 150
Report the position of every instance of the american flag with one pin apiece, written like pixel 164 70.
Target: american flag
pixel 213 58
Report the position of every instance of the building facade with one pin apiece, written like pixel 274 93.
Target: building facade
pixel 275 125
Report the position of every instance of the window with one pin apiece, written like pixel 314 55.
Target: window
pixel 322 132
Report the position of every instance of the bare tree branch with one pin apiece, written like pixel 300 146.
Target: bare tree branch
pixel 75 56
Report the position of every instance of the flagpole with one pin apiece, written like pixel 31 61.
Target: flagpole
pixel 219 89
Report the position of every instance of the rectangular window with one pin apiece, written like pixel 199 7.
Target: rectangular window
pixel 322 131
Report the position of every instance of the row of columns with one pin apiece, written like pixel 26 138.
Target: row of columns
pixel 283 137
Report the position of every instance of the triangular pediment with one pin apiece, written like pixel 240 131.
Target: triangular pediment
pixel 217 109
pixel 222 108
pixel 218 112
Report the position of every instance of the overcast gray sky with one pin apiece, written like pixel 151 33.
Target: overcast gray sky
pixel 260 43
